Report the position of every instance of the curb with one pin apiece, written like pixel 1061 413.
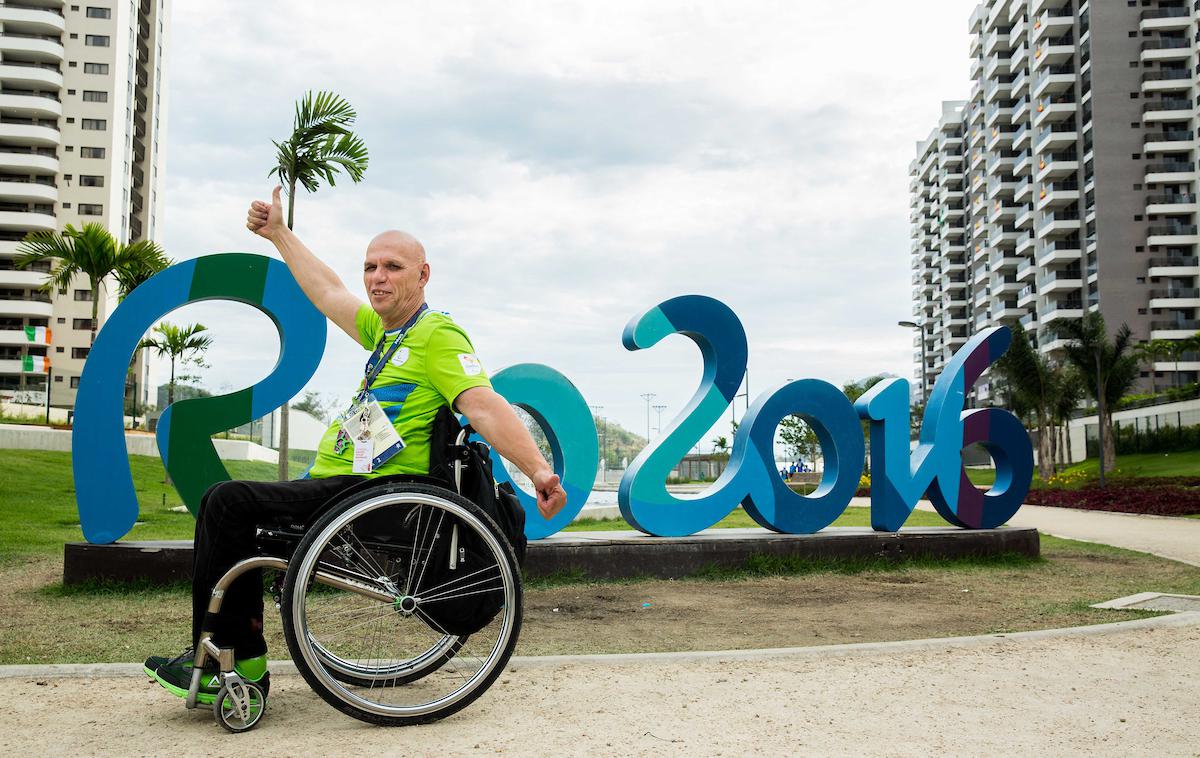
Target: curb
pixel 286 667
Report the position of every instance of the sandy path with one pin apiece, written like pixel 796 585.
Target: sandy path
pixel 1111 694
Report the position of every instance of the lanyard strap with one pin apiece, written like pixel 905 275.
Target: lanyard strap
pixel 380 357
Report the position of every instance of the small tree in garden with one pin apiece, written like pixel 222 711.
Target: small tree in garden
pixel 182 344
pixel 321 145
pixel 1109 366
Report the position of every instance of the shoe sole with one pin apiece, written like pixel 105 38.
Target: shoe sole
pixel 205 698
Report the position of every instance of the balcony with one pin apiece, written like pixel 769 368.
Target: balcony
pixel 26 160
pixel 1171 234
pixel 1061 281
pixel 31 75
pixel 1053 80
pixel 36 305
pixel 1177 203
pixel 1166 80
pixel 1176 265
pixel 1058 223
pixel 20 338
pixel 1056 165
pixel 1053 23
pixel 1175 140
pixel 1173 330
pixel 1069 308
pixel 1175 297
pixel 27 220
pixel 1058 193
pixel 1059 252
pixel 12 190
pixel 1166 109
pixel 1161 19
pixel 1166 49
pixel 1055 137
pixel 45 48
pixel 29 104
pixel 1163 172
pixel 1027 296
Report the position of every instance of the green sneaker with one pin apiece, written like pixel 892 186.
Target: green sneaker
pixel 175 675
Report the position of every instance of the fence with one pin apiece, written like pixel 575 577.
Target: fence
pixel 1159 433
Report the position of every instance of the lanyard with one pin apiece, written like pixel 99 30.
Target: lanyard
pixel 380 357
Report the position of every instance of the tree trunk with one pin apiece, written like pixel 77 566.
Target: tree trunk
pixel 284 425
pixel 1045 450
pixel 1110 445
pixel 95 311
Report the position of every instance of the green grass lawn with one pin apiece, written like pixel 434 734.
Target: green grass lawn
pixel 1141 465
pixel 739 518
pixel 37 502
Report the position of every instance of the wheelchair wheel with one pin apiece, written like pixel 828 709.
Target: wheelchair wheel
pixel 364 593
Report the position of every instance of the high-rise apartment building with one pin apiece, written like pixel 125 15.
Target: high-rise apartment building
pixel 82 131
pixel 1066 182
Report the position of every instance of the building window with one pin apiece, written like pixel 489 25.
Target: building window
pixel 93 124
pixel 95 96
pixel 58 378
pixel 79 352
pixel 58 349
pixel 81 323
pixel 91 152
pixel 90 180
pixel 74 382
pixel 93 12
pixel 82 295
pixel 90 209
pixel 96 40
pixel 95 68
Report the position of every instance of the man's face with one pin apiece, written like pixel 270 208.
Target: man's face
pixel 394 276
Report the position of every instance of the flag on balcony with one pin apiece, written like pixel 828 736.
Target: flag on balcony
pixel 35 363
pixel 38 334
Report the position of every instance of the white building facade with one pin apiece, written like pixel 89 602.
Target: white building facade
pixel 1065 183
pixel 82 132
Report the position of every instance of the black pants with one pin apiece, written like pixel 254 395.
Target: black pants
pixel 225 530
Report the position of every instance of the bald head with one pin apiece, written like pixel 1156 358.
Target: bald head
pixel 394 275
pixel 401 243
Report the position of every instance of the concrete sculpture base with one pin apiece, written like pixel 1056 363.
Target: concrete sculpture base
pixel 613 555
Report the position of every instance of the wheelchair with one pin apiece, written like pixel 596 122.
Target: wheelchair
pixel 401 603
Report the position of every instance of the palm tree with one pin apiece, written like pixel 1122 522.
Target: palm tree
pixel 1069 396
pixel 1032 388
pixel 176 342
pixel 94 253
pixel 321 145
pixel 1149 353
pixel 1109 366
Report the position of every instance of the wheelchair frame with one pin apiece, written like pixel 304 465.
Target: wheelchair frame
pixel 244 701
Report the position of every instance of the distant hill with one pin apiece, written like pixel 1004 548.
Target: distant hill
pixel 614 441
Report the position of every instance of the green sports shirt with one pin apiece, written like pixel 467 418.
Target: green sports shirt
pixel 433 364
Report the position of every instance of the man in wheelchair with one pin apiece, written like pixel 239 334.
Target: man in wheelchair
pixel 421 362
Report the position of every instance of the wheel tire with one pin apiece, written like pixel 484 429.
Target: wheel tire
pixel 225 711
pixel 317 665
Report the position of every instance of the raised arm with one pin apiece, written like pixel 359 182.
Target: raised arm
pixel 493 417
pixel 319 282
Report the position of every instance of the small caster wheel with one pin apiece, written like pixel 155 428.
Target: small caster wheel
pixel 238 707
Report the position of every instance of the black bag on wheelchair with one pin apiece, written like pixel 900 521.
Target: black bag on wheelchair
pixel 458 556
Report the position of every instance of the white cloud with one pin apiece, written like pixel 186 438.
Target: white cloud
pixel 568 165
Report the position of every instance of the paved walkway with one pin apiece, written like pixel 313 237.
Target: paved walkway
pixel 1037 693
pixel 1174 538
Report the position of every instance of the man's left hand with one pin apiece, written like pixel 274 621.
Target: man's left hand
pixel 550 495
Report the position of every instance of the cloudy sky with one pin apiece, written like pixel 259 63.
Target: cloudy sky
pixel 570 164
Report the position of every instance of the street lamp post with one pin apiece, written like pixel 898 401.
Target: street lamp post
pixel 660 409
pixel 648 396
pixel 921 326
pixel 603 439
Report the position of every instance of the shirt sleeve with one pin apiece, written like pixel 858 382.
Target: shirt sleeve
pixel 451 363
pixel 370 326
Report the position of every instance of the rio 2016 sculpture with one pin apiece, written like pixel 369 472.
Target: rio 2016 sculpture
pixel 108 506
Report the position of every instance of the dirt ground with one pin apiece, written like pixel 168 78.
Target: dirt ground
pixel 39 625
pixel 1129 693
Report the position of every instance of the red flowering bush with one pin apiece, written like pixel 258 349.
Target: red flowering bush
pixel 1166 496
